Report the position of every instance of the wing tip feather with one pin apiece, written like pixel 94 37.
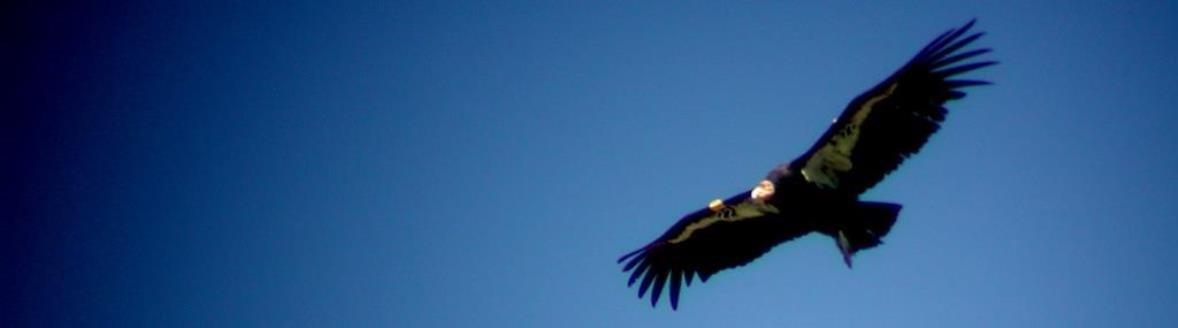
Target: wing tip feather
pixel 657 290
pixel 676 280
pixel 947 43
pixel 963 68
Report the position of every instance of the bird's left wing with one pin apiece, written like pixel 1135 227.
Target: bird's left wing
pixel 707 241
pixel 890 122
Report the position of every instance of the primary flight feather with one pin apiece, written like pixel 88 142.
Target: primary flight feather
pixel 818 191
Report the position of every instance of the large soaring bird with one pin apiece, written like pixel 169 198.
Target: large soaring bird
pixel 818 191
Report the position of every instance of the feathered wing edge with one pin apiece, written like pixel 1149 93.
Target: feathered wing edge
pixel 640 261
pixel 940 53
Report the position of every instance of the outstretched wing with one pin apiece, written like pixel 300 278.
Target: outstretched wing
pixel 705 242
pixel 885 125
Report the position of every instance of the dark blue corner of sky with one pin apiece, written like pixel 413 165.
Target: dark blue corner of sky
pixel 473 164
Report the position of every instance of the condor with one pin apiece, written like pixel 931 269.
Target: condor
pixel 819 191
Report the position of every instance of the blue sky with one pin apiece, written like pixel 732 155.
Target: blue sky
pixel 483 164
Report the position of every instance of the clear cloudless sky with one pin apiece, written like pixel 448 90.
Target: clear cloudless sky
pixel 484 163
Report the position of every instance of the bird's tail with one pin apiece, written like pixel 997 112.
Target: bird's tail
pixel 863 227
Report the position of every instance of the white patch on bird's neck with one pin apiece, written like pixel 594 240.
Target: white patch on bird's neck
pixel 763 190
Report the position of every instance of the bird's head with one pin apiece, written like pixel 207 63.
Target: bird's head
pixel 763 191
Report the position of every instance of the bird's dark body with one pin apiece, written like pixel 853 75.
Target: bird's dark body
pixel 801 205
pixel 824 211
pixel 819 191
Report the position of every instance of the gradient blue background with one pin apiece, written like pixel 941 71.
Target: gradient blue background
pixel 478 164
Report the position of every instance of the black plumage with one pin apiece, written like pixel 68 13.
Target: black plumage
pixel 818 191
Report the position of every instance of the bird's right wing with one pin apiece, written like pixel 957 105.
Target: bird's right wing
pixel 892 121
pixel 705 242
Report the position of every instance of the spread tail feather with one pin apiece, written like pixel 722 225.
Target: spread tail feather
pixel 864 226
